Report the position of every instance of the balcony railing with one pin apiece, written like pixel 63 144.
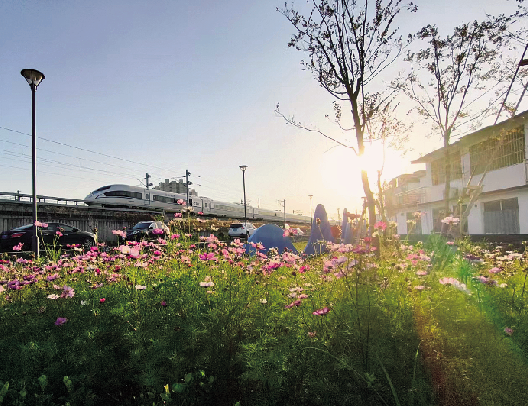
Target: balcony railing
pixel 408 198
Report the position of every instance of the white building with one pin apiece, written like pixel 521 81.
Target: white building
pixel 496 152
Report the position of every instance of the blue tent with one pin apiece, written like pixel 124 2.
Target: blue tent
pixel 347 234
pixel 270 236
pixel 320 233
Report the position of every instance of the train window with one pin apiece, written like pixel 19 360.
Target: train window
pixel 101 189
pixel 163 199
pixel 124 193
pixel 205 204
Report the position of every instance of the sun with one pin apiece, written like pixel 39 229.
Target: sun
pixel 340 169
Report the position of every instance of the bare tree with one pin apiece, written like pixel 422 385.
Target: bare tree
pixel 455 78
pixel 349 44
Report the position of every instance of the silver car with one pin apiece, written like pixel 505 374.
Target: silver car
pixel 241 230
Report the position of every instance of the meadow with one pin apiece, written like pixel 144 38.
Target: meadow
pixel 194 321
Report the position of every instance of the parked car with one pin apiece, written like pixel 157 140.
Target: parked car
pixel 241 230
pixel 145 230
pixel 59 233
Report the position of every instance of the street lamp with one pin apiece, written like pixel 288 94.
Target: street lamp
pixel 33 77
pixel 244 167
pixel 311 214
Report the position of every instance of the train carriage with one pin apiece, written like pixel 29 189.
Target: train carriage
pixel 124 196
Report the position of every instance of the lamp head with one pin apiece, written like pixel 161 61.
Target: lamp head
pixel 243 167
pixel 33 76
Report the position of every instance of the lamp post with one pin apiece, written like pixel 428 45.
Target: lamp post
pixel 33 77
pixel 244 167
pixel 311 214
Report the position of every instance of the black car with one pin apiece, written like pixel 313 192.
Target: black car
pixel 59 233
pixel 145 230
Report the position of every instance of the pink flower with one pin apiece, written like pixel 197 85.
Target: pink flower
pixel 119 233
pixel 52 277
pixel 450 243
pixel 157 231
pixel 181 202
pixel 102 300
pixel 18 247
pixel 67 293
pixel 381 225
pixel 421 273
pixel 163 303
pixel 321 312
pixel 58 233
pixel 177 215
pixel 508 331
pixel 451 220
pixel 60 321
pixel 39 224
pixel 200 213
pixel 175 236
pixel 296 303
pixel 494 270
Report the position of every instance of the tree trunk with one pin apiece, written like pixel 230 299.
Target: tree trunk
pixel 447 170
pixel 371 204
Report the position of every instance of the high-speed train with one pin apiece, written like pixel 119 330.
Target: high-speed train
pixel 124 196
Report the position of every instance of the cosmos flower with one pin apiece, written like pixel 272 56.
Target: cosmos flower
pixel 60 321
pixel 18 247
pixel 321 312
pixel 119 233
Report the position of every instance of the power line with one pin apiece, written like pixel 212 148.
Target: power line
pixel 87 150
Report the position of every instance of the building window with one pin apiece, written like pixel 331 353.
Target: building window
pixel 438 175
pixel 501 216
pixel 498 152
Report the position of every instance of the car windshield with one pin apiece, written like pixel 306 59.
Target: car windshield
pixel 23 228
pixel 141 226
pixel 236 225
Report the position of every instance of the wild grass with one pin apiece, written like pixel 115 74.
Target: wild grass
pixel 196 322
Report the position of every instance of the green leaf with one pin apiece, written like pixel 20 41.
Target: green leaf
pixel 43 381
pixel 178 387
pixel 188 377
pixel 3 391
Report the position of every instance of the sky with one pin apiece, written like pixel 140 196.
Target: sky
pixel 158 87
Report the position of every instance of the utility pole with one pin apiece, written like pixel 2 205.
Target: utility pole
pixel 283 204
pixel 147 177
pixel 187 183
pixel 243 169
pixel 311 214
